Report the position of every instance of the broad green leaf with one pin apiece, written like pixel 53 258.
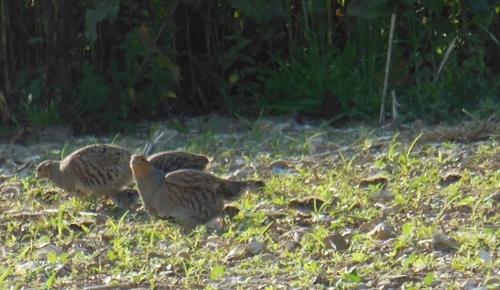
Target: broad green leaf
pixel 94 16
pixel 428 278
pixel 167 63
pixel 478 6
pixel 354 276
pixel 483 18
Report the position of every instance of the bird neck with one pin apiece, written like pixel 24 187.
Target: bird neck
pixel 149 178
pixel 141 172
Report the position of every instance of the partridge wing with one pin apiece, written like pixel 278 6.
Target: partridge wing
pixel 175 160
pixel 189 178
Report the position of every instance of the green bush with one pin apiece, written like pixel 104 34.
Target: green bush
pixel 123 61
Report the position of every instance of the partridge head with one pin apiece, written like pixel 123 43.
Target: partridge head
pixel 45 168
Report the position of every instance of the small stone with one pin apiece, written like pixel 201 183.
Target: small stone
pixel 485 256
pixel 442 242
pixel 361 286
pixel 369 225
pixel 390 210
pixel 154 255
pixel 383 194
pixel 454 157
pixel 3 251
pixel 83 245
pixel 267 257
pixel 302 221
pixel 469 285
pixel 28 266
pixel 46 249
pixel 281 164
pixel 10 190
pixel 449 178
pixel 107 279
pixel 382 231
pixel 81 225
pixel 495 197
pixel 233 254
pixel 336 241
pixel 494 280
pixel 374 180
pixel 254 248
pixel 105 262
pixel 291 245
pixel 184 255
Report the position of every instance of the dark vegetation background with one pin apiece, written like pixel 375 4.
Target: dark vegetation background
pixel 100 66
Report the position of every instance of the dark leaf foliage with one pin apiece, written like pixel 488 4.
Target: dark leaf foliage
pixel 103 65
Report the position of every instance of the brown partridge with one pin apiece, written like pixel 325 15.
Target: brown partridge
pixel 167 161
pixel 193 197
pixel 103 171
pixel 96 170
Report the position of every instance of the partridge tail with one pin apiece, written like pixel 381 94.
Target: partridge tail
pixel 234 189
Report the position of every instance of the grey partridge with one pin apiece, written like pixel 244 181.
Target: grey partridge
pixel 103 170
pixel 191 196
pixel 169 161
pixel 96 170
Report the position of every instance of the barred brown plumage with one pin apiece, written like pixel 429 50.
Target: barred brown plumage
pixel 99 170
pixel 103 170
pixel 191 196
pixel 169 161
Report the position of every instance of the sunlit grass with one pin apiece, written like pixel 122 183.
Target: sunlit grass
pixel 117 247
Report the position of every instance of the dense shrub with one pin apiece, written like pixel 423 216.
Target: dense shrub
pixel 101 65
